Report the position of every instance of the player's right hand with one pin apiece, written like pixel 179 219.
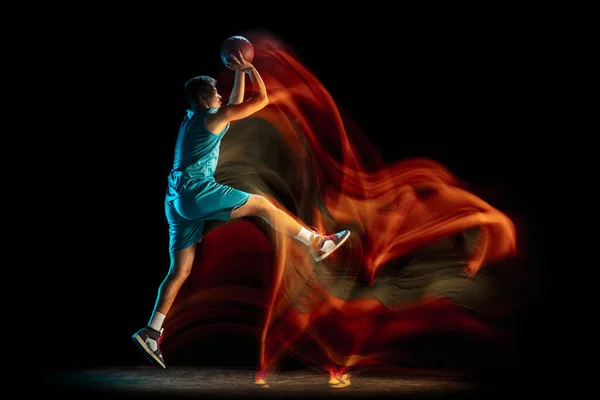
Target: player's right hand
pixel 237 63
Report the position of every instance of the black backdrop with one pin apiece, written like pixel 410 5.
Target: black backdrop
pixel 453 88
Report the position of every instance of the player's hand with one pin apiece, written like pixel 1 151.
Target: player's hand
pixel 237 63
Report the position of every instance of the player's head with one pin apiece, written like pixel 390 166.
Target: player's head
pixel 201 91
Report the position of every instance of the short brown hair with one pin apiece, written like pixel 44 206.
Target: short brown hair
pixel 198 85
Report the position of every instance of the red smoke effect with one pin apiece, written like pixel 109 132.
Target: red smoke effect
pixel 253 281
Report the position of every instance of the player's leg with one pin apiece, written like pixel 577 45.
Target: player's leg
pixel 320 246
pixel 221 202
pixel 148 338
pixel 184 234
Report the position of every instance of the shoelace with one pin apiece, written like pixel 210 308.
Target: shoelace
pixel 323 237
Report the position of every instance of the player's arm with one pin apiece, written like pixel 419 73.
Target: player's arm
pixel 256 102
pixel 239 86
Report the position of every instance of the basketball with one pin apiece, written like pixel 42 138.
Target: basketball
pixel 234 44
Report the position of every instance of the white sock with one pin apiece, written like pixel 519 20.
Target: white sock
pixel 305 236
pixel 156 321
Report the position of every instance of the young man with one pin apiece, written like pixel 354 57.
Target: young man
pixel 193 196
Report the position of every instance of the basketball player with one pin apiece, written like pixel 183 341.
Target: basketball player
pixel 193 196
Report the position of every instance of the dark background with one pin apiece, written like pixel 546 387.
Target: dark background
pixel 468 92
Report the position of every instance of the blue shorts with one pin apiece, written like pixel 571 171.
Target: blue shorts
pixel 208 201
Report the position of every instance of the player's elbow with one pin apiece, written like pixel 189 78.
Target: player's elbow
pixel 263 100
pixel 257 102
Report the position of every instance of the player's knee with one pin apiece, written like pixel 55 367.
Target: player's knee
pixel 179 273
pixel 262 206
pixel 256 206
pixel 182 271
pixel 181 264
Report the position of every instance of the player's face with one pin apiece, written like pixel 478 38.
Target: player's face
pixel 214 99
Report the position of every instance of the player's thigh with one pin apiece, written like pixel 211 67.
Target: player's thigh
pixel 256 206
pixel 183 233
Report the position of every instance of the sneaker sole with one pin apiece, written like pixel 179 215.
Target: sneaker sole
pixel 333 249
pixel 147 352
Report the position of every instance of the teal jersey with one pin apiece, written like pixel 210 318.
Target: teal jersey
pixel 196 154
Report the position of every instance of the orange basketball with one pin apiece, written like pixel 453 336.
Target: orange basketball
pixel 234 44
